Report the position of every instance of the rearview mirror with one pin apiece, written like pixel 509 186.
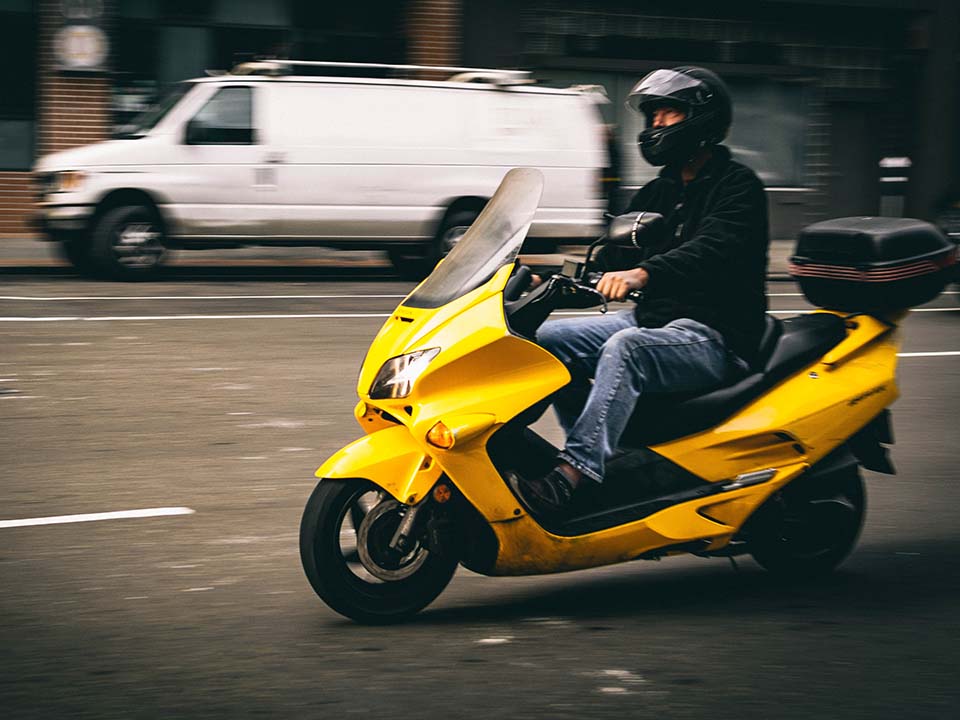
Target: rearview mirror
pixel 636 229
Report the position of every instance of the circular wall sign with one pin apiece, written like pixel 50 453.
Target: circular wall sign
pixel 81 47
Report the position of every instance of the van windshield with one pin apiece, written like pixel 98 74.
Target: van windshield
pixel 148 119
pixel 492 241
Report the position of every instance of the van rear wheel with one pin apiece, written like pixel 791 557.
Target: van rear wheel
pixel 417 263
pixel 127 243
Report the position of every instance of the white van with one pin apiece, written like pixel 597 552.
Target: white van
pixel 261 156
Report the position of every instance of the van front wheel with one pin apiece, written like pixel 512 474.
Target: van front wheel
pixel 127 243
pixel 417 263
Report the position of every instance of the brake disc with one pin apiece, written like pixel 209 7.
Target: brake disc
pixel 373 545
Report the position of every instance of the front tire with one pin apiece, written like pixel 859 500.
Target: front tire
pixel 334 561
pixel 811 526
pixel 127 243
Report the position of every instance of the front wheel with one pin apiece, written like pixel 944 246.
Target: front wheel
pixel 345 549
pixel 811 526
pixel 127 243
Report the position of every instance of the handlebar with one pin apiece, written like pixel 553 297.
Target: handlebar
pixel 593 278
pixel 571 289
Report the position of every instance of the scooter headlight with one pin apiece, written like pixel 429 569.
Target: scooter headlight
pixel 397 376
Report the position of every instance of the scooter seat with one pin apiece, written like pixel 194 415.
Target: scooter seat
pixel 787 347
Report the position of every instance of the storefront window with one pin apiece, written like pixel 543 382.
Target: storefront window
pixel 18 38
pixel 768 130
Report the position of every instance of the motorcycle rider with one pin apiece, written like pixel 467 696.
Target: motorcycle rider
pixel 704 285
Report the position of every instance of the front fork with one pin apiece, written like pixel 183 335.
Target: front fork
pixel 433 520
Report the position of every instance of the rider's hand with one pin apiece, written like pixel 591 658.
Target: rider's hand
pixel 535 281
pixel 616 285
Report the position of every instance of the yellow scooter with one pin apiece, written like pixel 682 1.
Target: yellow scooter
pixel 449 387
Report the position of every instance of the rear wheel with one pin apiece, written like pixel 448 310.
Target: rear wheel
pixel 127 243
pixel 417 263
pixel 811 526
pixel 345 537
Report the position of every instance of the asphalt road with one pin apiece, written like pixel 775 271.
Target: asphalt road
pixel 222 391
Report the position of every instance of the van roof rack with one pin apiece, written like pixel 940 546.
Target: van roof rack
pixel 278 67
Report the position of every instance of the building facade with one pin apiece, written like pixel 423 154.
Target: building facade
pixel 823 90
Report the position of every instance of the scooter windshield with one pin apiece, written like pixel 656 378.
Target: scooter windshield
pixel 492 241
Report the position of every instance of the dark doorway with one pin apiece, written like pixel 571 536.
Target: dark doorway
pixel 853 188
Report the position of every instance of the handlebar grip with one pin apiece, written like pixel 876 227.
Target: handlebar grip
pixel 591 280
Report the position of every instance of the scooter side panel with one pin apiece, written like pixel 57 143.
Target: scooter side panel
pixel 525 548
pixel 802 419
pixel 388 458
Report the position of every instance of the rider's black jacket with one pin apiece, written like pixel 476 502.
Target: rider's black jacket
pixel 711 265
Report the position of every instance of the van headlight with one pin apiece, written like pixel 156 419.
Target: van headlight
pixel 397 375
pixel 68 181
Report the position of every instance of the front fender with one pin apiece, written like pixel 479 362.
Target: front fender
pixel 390 459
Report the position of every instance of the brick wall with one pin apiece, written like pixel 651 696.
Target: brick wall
pixel 433 32
pixel 72 110
pixel 16 203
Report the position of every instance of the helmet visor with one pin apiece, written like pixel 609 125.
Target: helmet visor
pixel 668 87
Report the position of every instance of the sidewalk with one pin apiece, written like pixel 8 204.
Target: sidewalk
pixel 25 253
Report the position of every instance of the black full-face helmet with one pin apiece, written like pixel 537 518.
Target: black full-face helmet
pixel 698 93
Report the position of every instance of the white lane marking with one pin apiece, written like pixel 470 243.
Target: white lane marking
pixel 945 353
pixel 193 297
pixel 322 316
pixel 806 311
pixel 74 298
pixel 496 640
pixel 277 316
pixel 93 517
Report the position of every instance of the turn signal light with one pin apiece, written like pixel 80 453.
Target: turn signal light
pixel 441 493
pixel 440 436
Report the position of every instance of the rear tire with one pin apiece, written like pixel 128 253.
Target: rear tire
pixel 809 528
pixel 417 263
pixel 127 243
pixel 336 572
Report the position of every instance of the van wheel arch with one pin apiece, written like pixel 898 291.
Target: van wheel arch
pixel 417 263
pixel 124 197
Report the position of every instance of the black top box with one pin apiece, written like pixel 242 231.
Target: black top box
pixel 872 264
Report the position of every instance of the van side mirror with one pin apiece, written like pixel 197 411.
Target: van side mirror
pixel 636 229
pixel 196 132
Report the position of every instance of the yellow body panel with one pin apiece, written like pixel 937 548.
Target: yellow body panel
pixel 527 549
pixel 388 458
pixel 806 416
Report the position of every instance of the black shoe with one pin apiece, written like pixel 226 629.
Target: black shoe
pixel 548 497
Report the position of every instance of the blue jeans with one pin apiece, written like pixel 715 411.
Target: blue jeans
pixel 624 362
